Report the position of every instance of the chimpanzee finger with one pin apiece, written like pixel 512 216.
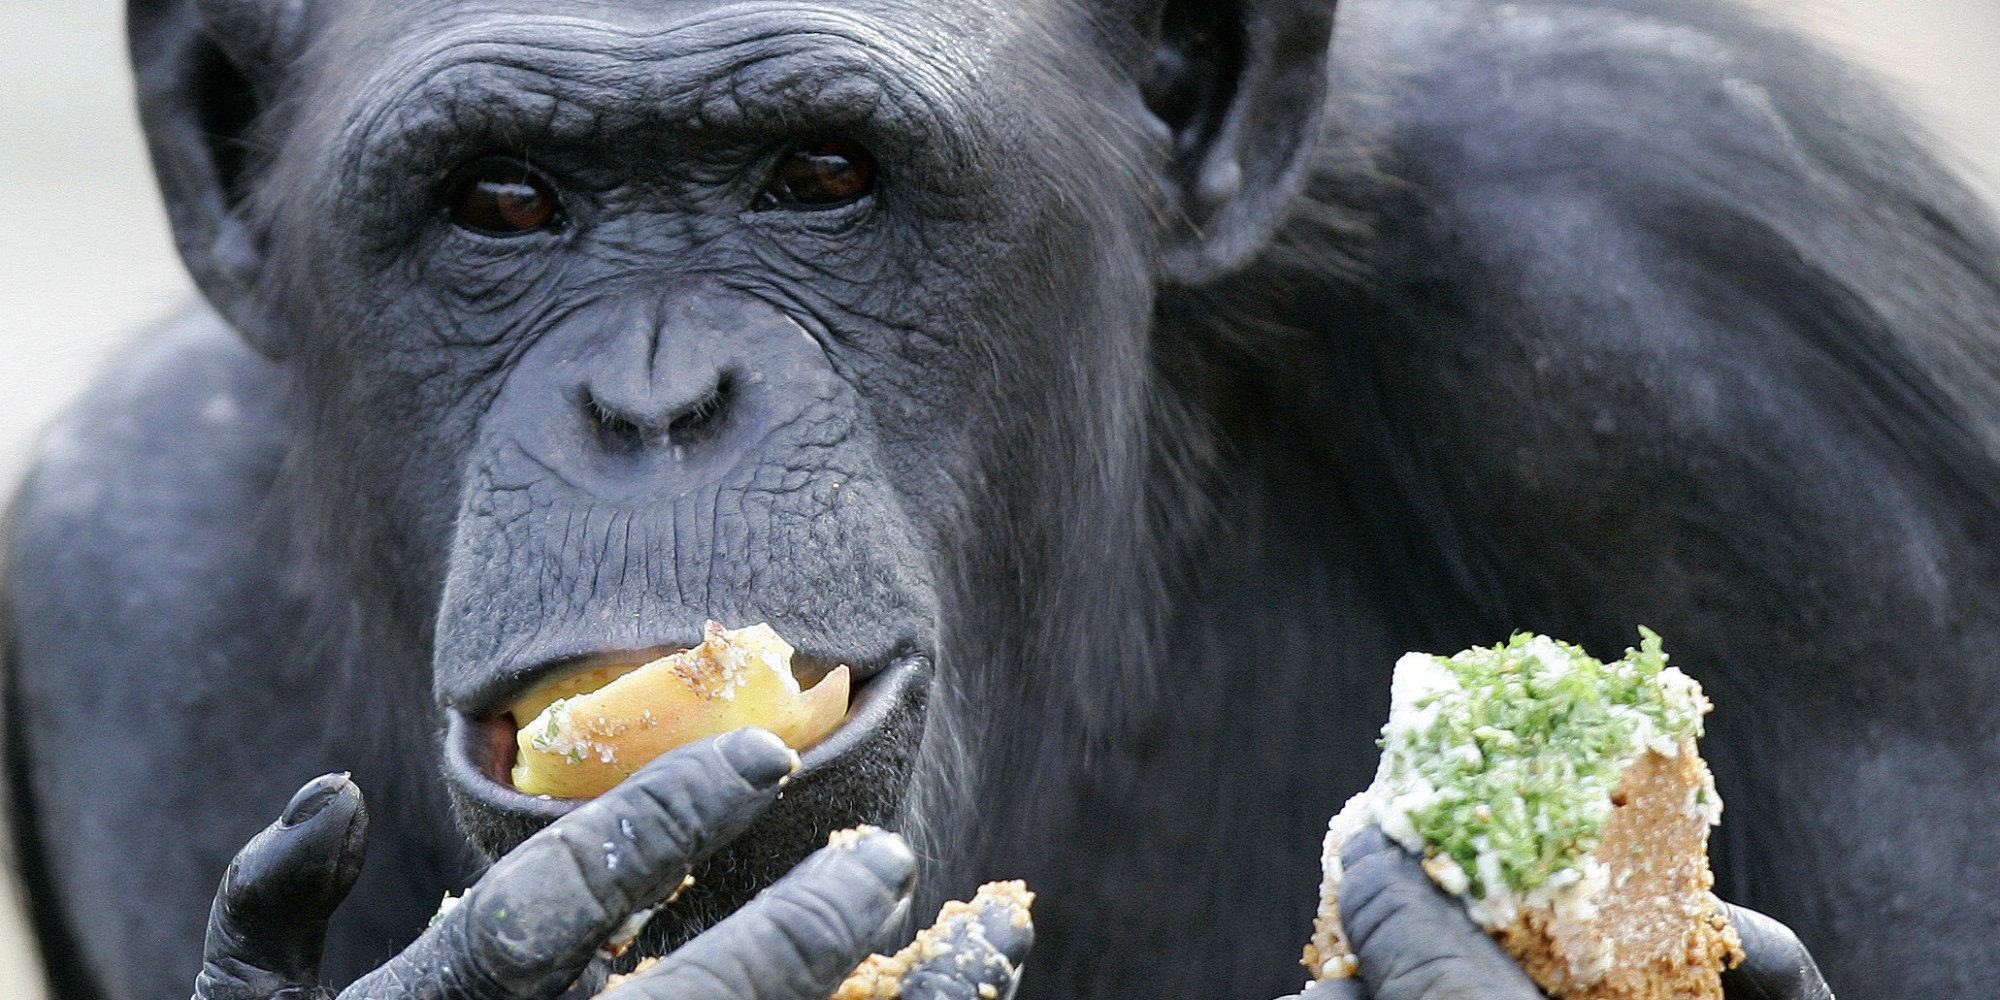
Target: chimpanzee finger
pixel 1414 941
pixel 268 923
pixel 533 922
pixel 798 939
pixel 1776 966
pixel 974 952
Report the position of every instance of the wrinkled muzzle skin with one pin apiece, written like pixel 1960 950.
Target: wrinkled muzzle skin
pixel 539 451
pixel 711 466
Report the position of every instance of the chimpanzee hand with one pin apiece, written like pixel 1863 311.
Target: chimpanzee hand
pixel 531 925
pixel 1417 943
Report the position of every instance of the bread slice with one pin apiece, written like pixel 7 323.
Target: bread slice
pixel 1563 799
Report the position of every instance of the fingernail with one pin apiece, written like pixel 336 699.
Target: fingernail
pixel 886 855
pixel 759 756
pixel 313 797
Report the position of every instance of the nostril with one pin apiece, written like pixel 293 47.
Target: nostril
pixel 628 430
pixel 617 433
pixel 699 420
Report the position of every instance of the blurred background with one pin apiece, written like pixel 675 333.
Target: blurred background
pixel 85 260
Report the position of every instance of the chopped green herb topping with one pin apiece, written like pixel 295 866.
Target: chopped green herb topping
pixel 556 713
pixel 1505 758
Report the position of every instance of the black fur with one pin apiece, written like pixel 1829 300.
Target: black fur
pixel 1584 314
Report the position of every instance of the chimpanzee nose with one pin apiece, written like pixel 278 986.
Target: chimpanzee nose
pixel 682 409
pixel 663 378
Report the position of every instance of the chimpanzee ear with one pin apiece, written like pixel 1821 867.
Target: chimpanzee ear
pixel 206 69
pixel 1240 86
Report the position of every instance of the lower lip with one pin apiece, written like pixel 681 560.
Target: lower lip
pixel 479 754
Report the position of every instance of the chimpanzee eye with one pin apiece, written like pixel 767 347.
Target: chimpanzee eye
pixel 819 174
pixel 501 196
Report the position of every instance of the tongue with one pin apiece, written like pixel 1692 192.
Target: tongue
pixel 588 732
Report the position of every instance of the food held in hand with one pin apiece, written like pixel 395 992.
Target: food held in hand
pixel 957 946
pixel 882 977
pixel 588 732
pixel 1563 800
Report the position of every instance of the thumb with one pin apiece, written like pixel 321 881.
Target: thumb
pixel 1414 941
pixel 1776 966
pixel 268 923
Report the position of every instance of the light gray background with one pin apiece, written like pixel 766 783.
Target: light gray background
pixel 85 258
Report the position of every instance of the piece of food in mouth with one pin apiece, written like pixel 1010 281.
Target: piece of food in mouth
pixel 588 732
pixel 1562 799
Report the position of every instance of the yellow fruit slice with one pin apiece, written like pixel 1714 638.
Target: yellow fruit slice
pixel 588 732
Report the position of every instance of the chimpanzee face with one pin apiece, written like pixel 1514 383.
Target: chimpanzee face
pixel 614 320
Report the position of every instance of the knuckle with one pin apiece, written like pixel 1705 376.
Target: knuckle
pixel 816 931
pixel 1366 908
pixel 1430 975
pixel 674 806
pixel 677 814
pixel 537 923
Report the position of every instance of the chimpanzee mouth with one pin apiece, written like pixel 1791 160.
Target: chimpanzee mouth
pixel 888 697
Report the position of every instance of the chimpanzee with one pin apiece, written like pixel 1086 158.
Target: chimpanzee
pixel 1118 386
